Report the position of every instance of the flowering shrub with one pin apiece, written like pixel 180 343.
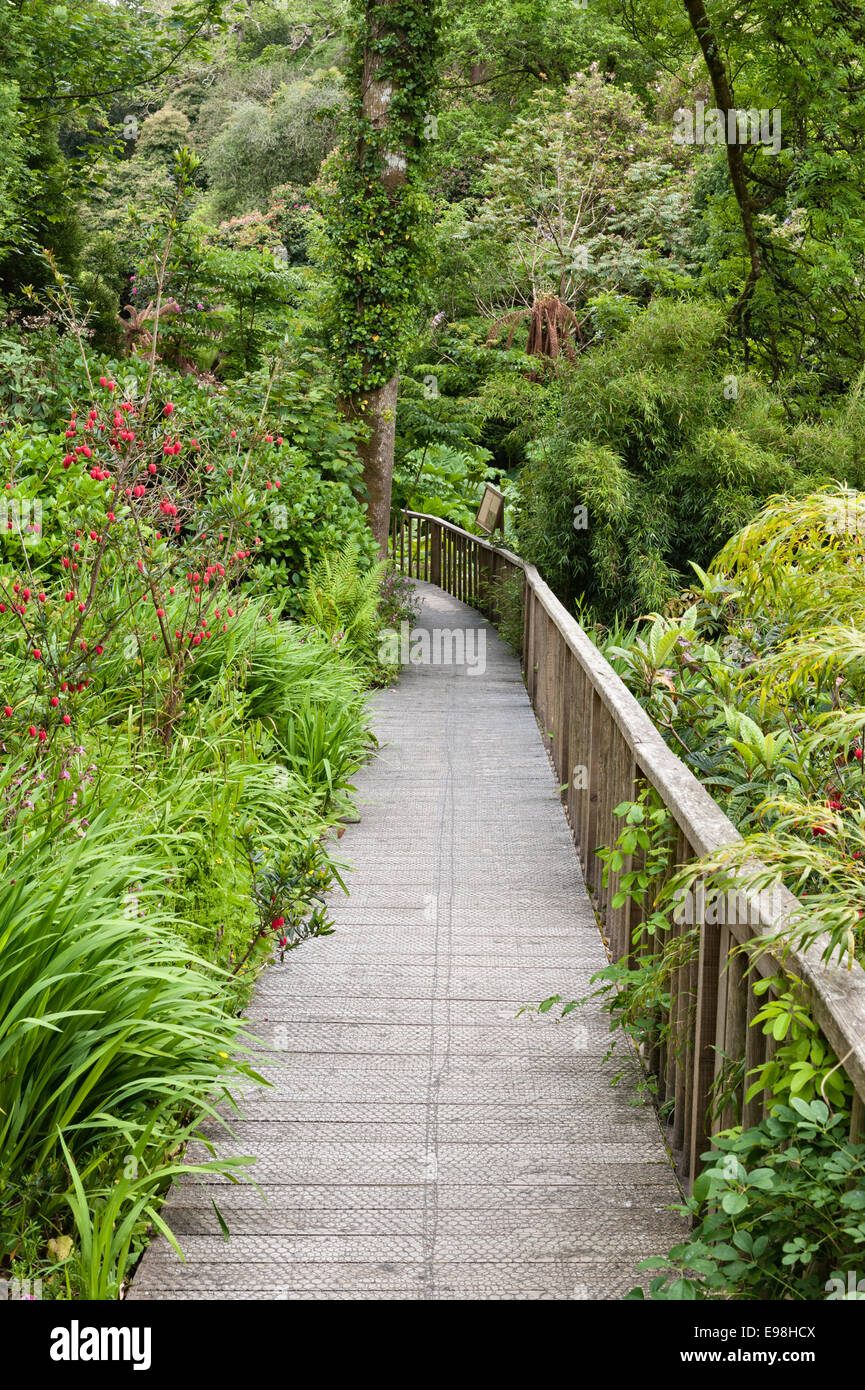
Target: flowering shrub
pixel 173 755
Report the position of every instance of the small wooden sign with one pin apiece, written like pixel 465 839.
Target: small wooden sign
pixel 491 512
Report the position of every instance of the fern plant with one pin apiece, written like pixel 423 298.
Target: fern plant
pixel 341 600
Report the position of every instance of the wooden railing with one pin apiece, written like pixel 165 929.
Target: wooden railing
pixel 591 722
pixel 468 567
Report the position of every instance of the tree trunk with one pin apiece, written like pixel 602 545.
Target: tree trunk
pixel 377 454
pixel 377 408
pixel 722 89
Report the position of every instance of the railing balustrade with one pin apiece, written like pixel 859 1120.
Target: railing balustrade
pixel 590 720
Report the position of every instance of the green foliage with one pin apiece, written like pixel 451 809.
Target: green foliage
pixel 759 687
pixel 341 599
pixel 779 1214
pixel 13 150
pixel 582 195
pixel 63 65
pixel 443 481
pixel 670 451
pixel 509 599
pixel 106 1035
pixel 374 230
pixel 636 994
pixel 801 322
pixel 802 1064
pixel 262 146
pixel 151 703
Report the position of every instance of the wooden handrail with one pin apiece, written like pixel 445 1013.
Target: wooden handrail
pixel 590 720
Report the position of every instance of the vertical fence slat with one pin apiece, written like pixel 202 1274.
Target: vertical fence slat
pixel 735 1022
pixel 705 1033
pixel 755 1054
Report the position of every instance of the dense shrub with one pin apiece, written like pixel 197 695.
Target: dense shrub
pixel 669 450
pixel 263 146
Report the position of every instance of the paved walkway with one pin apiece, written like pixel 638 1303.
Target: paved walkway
pixel 420 1141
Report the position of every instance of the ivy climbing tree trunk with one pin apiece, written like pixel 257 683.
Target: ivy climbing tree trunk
pixel 378 407
pixel 374 217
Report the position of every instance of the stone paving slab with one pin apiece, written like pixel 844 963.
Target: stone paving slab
pixel 418 1140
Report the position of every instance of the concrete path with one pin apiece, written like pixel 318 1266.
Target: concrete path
pixel 420 1141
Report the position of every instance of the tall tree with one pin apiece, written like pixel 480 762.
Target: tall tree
pixel 374 216
pixel 784 231
pixel 722 87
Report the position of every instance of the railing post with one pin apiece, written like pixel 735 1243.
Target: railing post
pixel 705 1030
pixel 436 556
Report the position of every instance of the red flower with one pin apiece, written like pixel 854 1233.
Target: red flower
pixel 54 701
pixel 37 655
pixel 277 923
pixel 8 711
pixel 32 731
pixel 67 719
pixel 169 409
